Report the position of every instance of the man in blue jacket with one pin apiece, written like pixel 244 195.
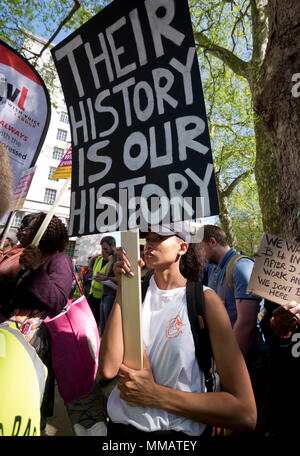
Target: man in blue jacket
pixel 242 307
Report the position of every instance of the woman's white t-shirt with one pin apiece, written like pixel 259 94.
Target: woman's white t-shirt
pixel 170 347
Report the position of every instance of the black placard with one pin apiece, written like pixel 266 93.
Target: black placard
pixel 132 86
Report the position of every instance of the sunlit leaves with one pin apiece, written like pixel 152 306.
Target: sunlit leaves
pixel 225 23
pixel 229 109
pixel 42 17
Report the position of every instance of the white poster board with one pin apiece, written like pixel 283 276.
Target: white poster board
pixel 276 273
pixel 131 303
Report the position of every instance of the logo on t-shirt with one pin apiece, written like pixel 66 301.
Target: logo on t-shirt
pixel 174 328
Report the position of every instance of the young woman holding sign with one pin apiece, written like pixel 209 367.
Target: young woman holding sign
pixel 166 396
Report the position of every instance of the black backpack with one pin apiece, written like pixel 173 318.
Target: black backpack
pixel 196 313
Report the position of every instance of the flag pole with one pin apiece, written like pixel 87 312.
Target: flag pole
pixel 48 217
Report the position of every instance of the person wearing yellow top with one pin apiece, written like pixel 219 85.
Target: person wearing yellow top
pixel 22 384
pixel 99 270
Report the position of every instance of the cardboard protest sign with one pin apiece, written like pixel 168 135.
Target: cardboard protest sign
pixel 132 86
pixel 22 189
pixel 131 306
pixel 276 273
pixel 24 110
pixel 64 169
pixel 18 199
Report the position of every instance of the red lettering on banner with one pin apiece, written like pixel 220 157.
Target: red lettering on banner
pixel 22 98
pixel 11 129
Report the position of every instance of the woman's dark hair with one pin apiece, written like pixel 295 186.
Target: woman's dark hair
pixel 191 264
pixel 27 219
pixel 55 238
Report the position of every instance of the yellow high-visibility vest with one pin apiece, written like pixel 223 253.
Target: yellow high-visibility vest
pixel 97 287
pixel 22 384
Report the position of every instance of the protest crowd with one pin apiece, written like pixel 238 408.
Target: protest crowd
pixel 249 339
pixel 217 360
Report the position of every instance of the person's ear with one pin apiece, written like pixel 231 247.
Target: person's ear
pixel 213 241
pixel 183 247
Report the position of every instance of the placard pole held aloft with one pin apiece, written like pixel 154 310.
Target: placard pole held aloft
pixel 48 217
pixel 7 228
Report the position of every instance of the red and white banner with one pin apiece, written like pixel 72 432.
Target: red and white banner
pixel 22 189
pixel 24 110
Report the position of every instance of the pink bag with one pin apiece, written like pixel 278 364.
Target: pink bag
pixel 75 344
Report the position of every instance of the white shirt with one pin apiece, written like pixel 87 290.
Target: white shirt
pixel 170 347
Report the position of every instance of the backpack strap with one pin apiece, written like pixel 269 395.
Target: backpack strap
pixel 145 283
pixel 229 273
pixel 196 313
pixel 77 282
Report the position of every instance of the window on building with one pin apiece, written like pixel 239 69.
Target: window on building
pixel 58 153
pixel 61 135
pixel 49 196
pixel 64 117
pixel 51 171
pixel 17 219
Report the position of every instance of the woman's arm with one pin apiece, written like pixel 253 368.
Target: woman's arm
pixel 111 347
pixel 245 328
pixel 51 283
pixel 233 407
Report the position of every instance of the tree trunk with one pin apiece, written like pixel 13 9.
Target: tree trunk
pixel 266 180
pixel 225 217
pixel 279 109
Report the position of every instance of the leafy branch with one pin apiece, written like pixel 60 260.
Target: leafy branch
pixel 76 6
pixel 235 63
pixel 230 188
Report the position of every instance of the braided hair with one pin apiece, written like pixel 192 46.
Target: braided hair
pixel 55 238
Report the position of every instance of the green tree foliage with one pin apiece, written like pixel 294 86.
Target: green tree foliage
pixel 19 16
pixel 230 120
pixel 246 216
pixel 15 17
pixel 45 18
pixel 236 32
